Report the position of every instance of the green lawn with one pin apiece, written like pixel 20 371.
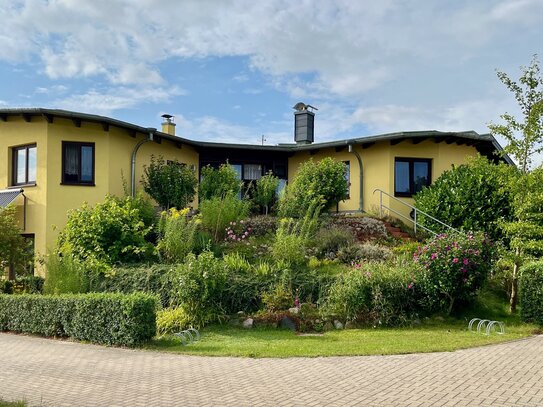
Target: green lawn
pixel 4 403
pixel 269 342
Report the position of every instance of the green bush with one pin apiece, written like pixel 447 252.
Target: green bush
pixel 265 191
pixel 218 183
pixel 531 292
pixel 376 294
pixel 200 288
pixel 171 320
pixel 262 225
pixel 329 240
pixel 64 275
pixel 111 319
pixel 12 244
pixel 156 279
pixel 171 184
pixel 177 235
pixel 6 286
pixel 454 267
pixel 29 284
pixel 363 252
pixel 473 196
pixel 323 181
pixel 217 213
pixel 111 232
pixel 278 299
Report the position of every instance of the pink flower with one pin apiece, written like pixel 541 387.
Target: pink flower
pixel 455 260
pixel 433 256
pixel 410 286
pixel 466 262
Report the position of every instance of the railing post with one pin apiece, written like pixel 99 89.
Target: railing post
pixel 415 224
pixel 381 204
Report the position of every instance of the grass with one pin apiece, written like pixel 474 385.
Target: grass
pixel 269 342
pixel 4 403
pixel 432 335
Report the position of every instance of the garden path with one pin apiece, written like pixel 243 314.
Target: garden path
pixel 48 372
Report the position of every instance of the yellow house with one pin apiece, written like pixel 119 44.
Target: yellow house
pixel 52 161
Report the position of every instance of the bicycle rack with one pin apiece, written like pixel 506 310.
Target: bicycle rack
pixel 191 334
pixel 487 325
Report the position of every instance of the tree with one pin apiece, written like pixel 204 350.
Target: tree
pixel 12 244
pixel 322 181
pixel 265 191
pixel 524 139
pixel 219 182
pixel 171 184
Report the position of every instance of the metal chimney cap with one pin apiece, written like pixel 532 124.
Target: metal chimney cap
pixel 302 107
pixel 167 117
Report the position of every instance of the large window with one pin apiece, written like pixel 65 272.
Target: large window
pixel 77 163
pixel 410 175
pixel 24 165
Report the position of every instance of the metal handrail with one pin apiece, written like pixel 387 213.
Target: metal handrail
pixel 409 219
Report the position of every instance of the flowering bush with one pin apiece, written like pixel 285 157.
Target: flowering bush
pixel 454 267
pixel 237 231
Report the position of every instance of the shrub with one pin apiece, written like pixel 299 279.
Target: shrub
pixel 237 231
pixel 293 236
pixel 201 287
pixel 64 275
pixel 218 183
pixel 363 252
pixel 323 181
pixel 262 225
pixel 6 286
pixel 531 292
pixel 473 196
pixel 217 213
pixel 454 267
pixel 111 319
pixel 265 191
pixel 12 244
pixel 177 235
pixel 278 299
pixel 331 239
pixel 110 232
pixel 376 294
pixel 171 320
pixel 155 279
pixel 29 284
pixel 171 184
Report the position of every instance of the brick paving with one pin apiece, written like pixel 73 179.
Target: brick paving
pixel 61 373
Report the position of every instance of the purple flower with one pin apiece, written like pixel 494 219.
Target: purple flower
pixel 455 260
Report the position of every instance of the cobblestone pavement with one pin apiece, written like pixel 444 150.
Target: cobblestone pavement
pixel 60 373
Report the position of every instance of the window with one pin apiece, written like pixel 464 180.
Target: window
pixel 24 165
pixel 410 175
pixel 77 163
pixel 252 171
pixel 348 177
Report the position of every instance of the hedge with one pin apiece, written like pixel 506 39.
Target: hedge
pixel 104 318
pixel 531 293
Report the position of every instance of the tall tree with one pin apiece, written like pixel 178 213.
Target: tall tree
pixel 524 138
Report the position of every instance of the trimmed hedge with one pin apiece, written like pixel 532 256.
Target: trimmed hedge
pixel 531 293
pixel 110 319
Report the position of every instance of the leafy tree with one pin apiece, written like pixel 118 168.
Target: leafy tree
pixel 12 244
pixel 265 191
pixel 473 196
pixel 525 139
pixel 323 181
pixel 171 184
pixel 218 182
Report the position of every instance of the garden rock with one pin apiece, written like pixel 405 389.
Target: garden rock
pixel 248 323
pixel 287 323
pixel 350 325
pixel 328 326
pixel 294 310
pixel 338 324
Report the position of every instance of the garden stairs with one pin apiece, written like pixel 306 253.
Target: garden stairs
pixel 396 232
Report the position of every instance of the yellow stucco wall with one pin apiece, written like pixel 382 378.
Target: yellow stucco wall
pixel 378 168
pixel 48 202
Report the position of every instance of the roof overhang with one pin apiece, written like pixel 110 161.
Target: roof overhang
pixel 7 196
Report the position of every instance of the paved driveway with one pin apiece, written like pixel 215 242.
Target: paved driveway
pixel 60 373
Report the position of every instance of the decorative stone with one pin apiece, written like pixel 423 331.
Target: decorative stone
pixel 248 323
pixel 350 325
pixel 338 324
pixel 241 313
pixel 287 323
pixel 328 326
pixel 294 310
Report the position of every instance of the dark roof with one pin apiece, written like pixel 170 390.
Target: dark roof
pixel 486 144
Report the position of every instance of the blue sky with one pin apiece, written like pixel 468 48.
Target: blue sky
pixel 231 71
